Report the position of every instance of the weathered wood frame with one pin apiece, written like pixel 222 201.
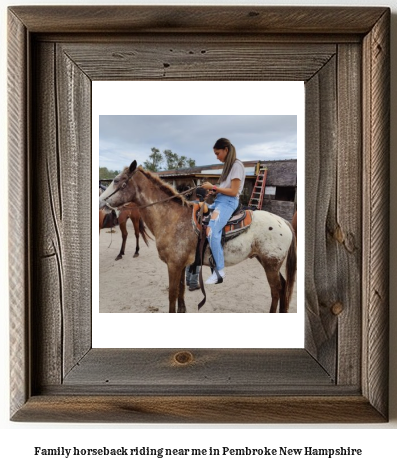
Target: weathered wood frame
pixel 342 54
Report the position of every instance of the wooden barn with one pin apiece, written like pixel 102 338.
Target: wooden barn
pixel 280 187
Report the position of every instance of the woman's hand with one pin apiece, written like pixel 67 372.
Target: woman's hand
pixel 208 186
pixel 232 191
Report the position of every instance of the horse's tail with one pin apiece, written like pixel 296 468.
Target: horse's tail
pixel 142 231
pixel 290 270
pixel 295 224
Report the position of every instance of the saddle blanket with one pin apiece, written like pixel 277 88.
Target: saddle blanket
pixel 240 221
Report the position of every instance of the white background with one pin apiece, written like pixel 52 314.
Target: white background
pixel 124 330
pixel 377 441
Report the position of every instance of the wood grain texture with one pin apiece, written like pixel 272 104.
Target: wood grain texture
pixel 345 227
pixel 341 375
pixel 74 124
pixel 198 409
pixel 196 19
pixel 376 143
pixel 19 279
pixel 320 174
pixel 206 370
pixel 211 59
pixel 62 255
pixel 334 215
pixel 48 250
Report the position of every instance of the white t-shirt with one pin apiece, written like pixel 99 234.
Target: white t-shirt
pixel 237 171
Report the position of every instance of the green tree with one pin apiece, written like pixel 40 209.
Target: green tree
pixel 191 162
pixel 176 162
pixel 106 174
pixel 172 161
pixel 155 160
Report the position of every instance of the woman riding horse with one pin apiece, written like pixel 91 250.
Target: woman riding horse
pixel 231 184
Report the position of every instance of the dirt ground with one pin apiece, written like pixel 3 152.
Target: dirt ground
pixel 139 285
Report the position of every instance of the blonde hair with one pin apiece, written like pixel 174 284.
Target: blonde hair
pixel 231 156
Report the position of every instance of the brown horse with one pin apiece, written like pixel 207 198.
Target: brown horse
pixel 269 238
pixel 127 211
pixel 107 220
pixel 131 211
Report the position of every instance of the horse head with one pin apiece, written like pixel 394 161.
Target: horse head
pixel 119 191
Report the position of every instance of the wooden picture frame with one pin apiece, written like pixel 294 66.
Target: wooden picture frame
pixel 342 54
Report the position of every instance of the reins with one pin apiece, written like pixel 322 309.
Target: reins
pixel 190 190
pixel 202 243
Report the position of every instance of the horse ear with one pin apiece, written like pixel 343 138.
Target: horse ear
pixel 133 166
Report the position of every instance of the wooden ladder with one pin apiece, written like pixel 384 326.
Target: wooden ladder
pixel 259 188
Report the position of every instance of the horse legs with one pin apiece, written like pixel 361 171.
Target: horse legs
pixel 281 288
pixel 181 293
pixel 276 283
pixel 275 288
pixel 176 288
pixel 124 234
pixel 283 299
pixel 136 229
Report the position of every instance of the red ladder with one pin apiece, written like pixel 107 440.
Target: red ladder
pixel 259 188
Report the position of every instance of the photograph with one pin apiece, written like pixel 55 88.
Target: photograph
pixel 250 193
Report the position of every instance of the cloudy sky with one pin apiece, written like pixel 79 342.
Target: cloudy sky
pixel 123 138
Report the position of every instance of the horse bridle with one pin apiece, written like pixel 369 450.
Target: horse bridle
pixel 150 204
pixel 122 186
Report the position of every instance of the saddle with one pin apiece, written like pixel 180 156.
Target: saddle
pixel 110 220
pixel 239 222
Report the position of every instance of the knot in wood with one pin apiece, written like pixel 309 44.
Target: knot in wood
pixel 337 308
pixel 339 235
pixel 183 358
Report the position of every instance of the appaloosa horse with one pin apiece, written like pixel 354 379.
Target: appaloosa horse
pixel 168 215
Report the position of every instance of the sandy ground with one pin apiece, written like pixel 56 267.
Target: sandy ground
pixel 141 284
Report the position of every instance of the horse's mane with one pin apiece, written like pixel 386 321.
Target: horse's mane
pixel 168 189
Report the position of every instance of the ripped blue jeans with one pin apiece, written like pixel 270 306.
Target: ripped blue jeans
pixel 223 207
